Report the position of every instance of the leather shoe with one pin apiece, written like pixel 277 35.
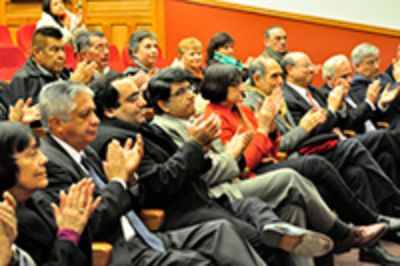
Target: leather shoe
pixel 360 236
pixel 393 222
pixel 377 254
pixel 296 240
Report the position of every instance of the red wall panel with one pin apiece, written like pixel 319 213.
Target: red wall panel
pixel 183 19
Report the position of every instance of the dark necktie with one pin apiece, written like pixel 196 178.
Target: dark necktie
pixel 148 237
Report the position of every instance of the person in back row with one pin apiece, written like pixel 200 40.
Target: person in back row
pixel 45 65
pixel 143 50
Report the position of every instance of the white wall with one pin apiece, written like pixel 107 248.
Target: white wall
pixel 382 13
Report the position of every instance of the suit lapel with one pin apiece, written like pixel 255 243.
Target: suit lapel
pixel 297 98
pixel 61 157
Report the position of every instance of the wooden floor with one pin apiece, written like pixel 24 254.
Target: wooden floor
pixel 351 258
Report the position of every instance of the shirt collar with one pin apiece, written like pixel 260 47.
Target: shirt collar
pixel 45 71
pixel 300 90
pixel 75 155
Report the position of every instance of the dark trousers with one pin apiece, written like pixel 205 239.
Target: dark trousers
pixel 384 146
pixel 354 161
pixel 334 188
pixel 248 215
pixel 212 243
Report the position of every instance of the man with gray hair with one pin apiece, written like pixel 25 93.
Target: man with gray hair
pixel 92 46
pixel 365 59
pixel 275 42
pixel 143 50
pixel 360 114
pixel 301 97
pixel 72 126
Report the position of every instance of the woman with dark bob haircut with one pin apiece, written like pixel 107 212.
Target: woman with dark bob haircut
pixel 222 43
pixel 224 88
pixel 51 235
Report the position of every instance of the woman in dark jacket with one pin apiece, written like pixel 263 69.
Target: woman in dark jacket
pixel 51 234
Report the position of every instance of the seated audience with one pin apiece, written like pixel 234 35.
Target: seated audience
pixel 120 122
pixel 275 43
pixel 70 131
pixel 301 97
pixel 45 65
pixel 362 114
pixel 56 15
pixel 325 169
pixel 143 50
pixel 52 235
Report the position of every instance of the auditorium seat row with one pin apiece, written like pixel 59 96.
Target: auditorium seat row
pixel 13 57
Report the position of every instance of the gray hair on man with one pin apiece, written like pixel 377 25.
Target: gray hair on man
pixel 82 40
pixel 57 99
pixel 267 33
pixel 328 69
pixel 362 51
pixel 257 68
pixel 290 59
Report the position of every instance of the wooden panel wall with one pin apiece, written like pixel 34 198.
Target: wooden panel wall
pixel 116 18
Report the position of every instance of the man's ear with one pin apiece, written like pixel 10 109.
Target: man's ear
pixel 55 125
pixel 164 106
pixel 289 68
pixel 109 113
pixel 35 51
pixel 256 79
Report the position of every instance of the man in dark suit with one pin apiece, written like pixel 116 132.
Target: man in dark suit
pixel 265 76
pixel 72 125
pixel 365 58
pixel 361 116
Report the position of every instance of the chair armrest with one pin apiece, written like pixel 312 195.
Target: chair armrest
pixel 281 156
pixel 349 132
pixel 383 124
pixel 153 218
pixel 102 253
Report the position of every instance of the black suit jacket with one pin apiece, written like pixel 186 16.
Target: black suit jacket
pixel 63 171
pixel 354 117
pixel 298 107
pixel 169 177
pixel 37 235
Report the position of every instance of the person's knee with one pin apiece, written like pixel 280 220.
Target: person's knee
pixel 287 175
